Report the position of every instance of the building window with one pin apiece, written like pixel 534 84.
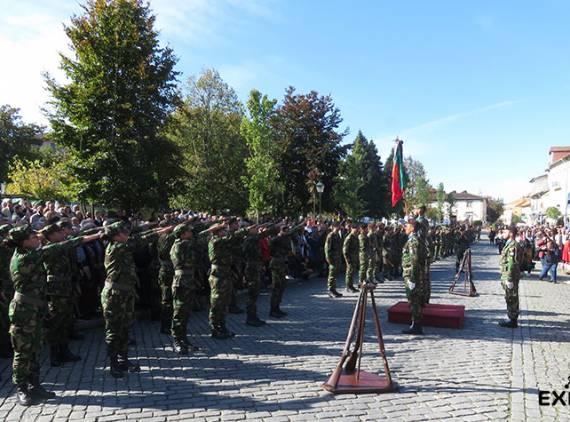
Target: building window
pixel 468 204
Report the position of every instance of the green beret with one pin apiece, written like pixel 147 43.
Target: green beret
pixel 115 228
pixel 19 234
pixel 4 229
pixel 181 229
pixel 50 229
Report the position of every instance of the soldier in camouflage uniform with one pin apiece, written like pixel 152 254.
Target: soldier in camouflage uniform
pixel 387 265
pixel 364 252
pixel 423 230
pixel 379 271
pixel 219 250
pixel 118 295
pixel 373 242
pixel 28 307
pixel 165 276
pixel 412 262
pixel 461 245
pixel 59 321
pixel 182 255
pixel 280 247
pixel 511 256
pixel 333 255
pixel 251 252
pixel 350 253
pixel 6 292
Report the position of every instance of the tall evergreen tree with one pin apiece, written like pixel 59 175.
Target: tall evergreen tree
pixel 207 128
pixel 312 142
pixel 109 114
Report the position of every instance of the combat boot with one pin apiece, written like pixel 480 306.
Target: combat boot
pixel 36 390
pixel 126 365
pixel 23 395
pixel 180 347
pixel 66 355
pixel 277 313
pixel 511 323
pixel 220 334
pixel 333 293
pixel 351 289
pixel 114 368
pixel 54 356
pixel 254 321
pixel 415 328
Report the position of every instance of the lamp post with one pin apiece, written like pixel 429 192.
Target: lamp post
pixel 320 189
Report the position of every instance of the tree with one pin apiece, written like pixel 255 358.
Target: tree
pixel 309 126
pixel 434 214
pixel 361 184
pixel 553 213
pixel 263 181
pixel 110 114
pixel 207 128
pixel 417 191
pixel 440 196
pixel 17 139
pixel 46 177
pixel 495 208
pixel 450 199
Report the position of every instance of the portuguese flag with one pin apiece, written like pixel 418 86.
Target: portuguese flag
pixel 399 179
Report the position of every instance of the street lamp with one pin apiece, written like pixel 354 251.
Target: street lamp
pixel 320 189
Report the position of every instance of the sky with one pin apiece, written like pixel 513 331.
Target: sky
pixel 479 91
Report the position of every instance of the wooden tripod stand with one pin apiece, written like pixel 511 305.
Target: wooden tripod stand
pixel 349 378
pixel 465 268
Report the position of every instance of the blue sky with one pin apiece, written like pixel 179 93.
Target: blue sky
pixel 478 90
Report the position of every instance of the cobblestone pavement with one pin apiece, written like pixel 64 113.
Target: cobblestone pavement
pixel 480 372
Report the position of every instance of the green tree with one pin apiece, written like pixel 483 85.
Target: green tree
pixel 263 181
pixel 17 139
pixel 450 199
pixel 309 126
pixel 495 208
pixel 110 113
pixel 417 191
pixel 553 213
pixel 46 177
pixel 207 128
pixel 361 184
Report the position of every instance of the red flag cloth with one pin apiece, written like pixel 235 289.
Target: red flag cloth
pixel 399 179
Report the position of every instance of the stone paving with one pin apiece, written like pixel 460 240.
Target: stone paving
pixel 479 372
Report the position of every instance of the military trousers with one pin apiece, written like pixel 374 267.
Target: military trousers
pixel 334 267
pixel 119 315
pixel 220 296
pixel 415 298
pixel 183 291
pixel 351 268
pixel 278 268
pixel 253 283
pixel 26 332
pixel 60 320
pixel 512 299
pixel 363 269
pixel 165 276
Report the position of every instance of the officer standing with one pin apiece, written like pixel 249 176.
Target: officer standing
pixel 510 276
pixel 412 265
pixel 333 254
pixel 350 253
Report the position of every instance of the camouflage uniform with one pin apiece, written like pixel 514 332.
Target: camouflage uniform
pixel 60 317
pixel 510 276
pixel 422 234
pixel 165 276
pixel 333 254
pixel 350 252
pixel 280 247
pixel 372 241
pixel 387 259
pixel 6 294
pixel 119 294
pixel 28 308
pixel 412 274
pixel 251 252
pixel 379 271
pixel 219 252
pixel 364 252
pixel 183 286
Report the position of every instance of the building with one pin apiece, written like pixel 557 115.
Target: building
pixel 551 189
pixel 520 208
pixel 466 207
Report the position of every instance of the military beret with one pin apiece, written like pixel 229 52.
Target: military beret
pixel 115 228
pixel 19 234
pixel 4 229
pixel 50 229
